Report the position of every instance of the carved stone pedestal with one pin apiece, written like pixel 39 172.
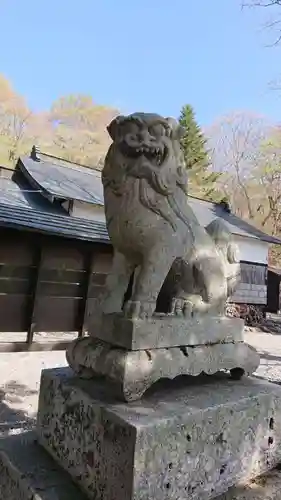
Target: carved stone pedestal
pixel 131 373
pixel 131 362
pixel 168 331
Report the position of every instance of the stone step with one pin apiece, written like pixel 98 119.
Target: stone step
pixel 28 473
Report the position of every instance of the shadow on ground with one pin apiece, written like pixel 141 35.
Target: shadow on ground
pixel 271 326
pixel 269 357
pixel 13 420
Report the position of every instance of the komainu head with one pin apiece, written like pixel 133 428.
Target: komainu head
pixel 146 145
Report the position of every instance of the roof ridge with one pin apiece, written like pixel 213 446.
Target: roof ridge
pixel 68 161
pixel 203 199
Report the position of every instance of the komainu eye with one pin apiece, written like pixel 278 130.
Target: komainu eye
pixel 156 130
pixel 132 128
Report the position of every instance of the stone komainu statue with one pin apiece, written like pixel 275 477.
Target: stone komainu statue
pixel 154 232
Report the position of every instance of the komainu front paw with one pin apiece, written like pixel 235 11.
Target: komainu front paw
pixel 132 309
pixel 182 307
pixel 137 309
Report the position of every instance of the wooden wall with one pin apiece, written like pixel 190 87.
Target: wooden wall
pixel 253 286
pixel 52 284
pixel 49 283
pixel 255 274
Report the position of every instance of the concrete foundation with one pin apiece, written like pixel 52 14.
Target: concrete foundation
pixel 195 441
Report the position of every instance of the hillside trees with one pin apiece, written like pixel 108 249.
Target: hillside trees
pixel 79 129
pixel 74 128
pixel 15 118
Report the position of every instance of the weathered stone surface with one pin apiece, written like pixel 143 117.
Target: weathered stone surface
pixel 153 229
pixel 168 331
pixel 190 442
pixel 27 472
pixel 131 373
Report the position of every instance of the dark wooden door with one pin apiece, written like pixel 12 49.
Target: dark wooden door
pixel 273 284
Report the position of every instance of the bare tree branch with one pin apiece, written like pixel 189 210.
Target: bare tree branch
pixel 272 24
pixel 235 143
pixel 261 3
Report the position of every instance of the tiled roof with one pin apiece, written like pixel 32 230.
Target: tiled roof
pixel 21 194
pixel 275 270
pixel 60 225
pixel 206 211
pixel 27 209
pixel 63 180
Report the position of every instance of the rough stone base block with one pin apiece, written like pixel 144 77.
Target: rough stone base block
pixel 28 473
pixel 191 442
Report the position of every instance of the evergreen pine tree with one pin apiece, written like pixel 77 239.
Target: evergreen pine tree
pixel 202 182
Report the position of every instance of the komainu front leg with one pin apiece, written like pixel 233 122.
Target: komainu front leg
pixel 148 282
pixel 186 296
pixel 117 284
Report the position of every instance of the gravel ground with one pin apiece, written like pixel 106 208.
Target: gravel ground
pixel 269 348
pixel 20 379
pixel 20 375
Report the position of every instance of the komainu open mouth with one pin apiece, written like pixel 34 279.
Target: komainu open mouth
pixel 155 154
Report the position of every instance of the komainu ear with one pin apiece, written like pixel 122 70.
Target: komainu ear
pixel 233 254
pixel 112 128
pixel 177 131
pixel 180 132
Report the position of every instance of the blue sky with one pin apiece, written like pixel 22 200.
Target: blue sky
pixel 148 55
